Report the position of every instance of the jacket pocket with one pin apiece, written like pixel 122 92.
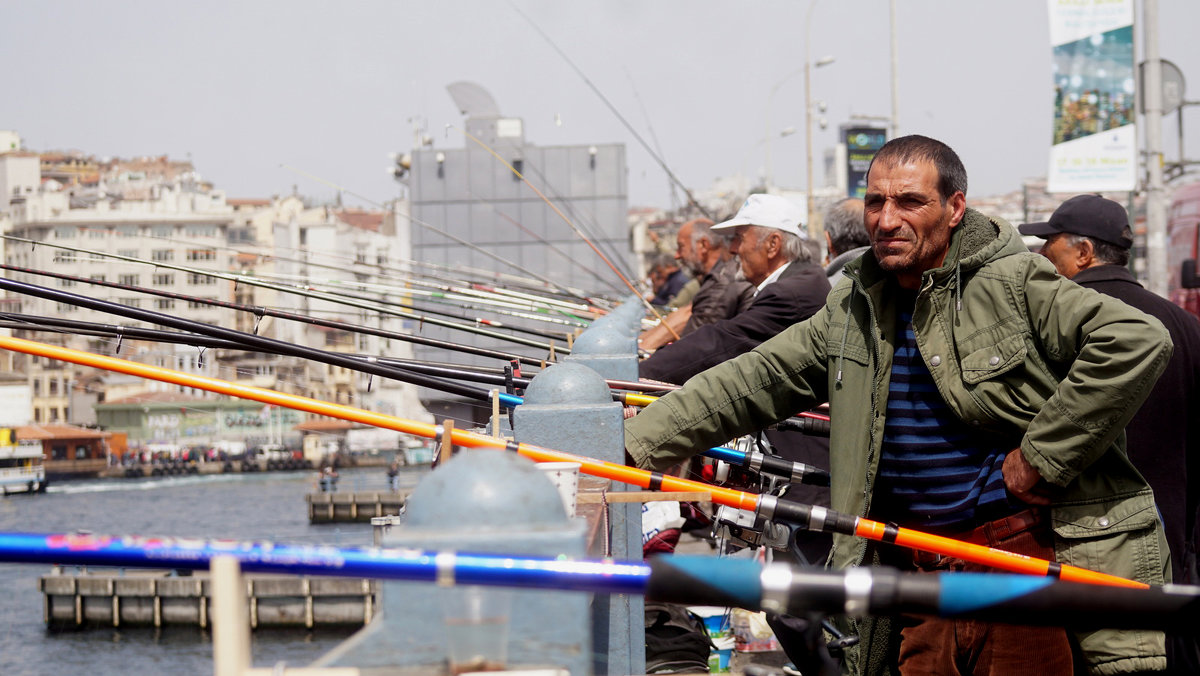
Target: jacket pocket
pixel 994 360
pixel 1117 536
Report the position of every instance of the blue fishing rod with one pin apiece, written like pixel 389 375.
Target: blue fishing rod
pixel 690 580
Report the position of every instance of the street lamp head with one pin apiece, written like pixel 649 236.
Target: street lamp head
pixel 824 61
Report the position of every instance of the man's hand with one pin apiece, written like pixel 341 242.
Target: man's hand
pixel 1023 481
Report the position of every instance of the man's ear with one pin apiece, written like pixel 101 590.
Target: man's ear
pixel 1085 253
pixel 958 207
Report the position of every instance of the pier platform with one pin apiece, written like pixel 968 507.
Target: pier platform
pixel 149 598
pixel 348 507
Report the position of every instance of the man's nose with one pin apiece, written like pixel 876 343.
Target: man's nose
pixel 889 217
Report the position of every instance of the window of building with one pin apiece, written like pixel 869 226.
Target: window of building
pixel 66 283
pixel 201 279
pixel 162 255
pixel 162 231
pixel 163 279
pixel 201 255
pixel 129 278
pixel 127 231
pixel 164 303
pixel 130 302
pixel 63 308
pixel 37 387
pixel 128 253
pixel 53 387
pixel 64 256
pixel 64 232
pixel 200 230
pixel 96 233
pixel 360 256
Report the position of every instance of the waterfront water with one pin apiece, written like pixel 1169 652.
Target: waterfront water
pixel 267 506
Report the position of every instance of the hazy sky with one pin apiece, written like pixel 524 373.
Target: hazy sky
pixel 332 87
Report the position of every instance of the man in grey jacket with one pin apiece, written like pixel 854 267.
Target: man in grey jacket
pixel 974 393
pixel 845 235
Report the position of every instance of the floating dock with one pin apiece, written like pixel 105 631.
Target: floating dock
pixel 347 507
pixel 158 599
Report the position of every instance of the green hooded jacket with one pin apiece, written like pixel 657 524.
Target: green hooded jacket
pixel 1015 350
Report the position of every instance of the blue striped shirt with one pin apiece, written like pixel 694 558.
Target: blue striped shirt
pixel 935 472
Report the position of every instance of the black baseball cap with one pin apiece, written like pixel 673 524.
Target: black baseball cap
pixel 1088 215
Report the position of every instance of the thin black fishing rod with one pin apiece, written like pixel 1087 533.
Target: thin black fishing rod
pixel 261 311
pixel 585 221
pixel 469 245
pixel 611 107
pixel 332 290
pixel 550 245
pixel 253 341
pixel 71 326
pixel 249 281
pixel 590 243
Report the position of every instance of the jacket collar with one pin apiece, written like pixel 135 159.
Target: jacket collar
pixel 1105 273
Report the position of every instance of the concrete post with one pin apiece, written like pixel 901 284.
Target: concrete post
pixel 568 407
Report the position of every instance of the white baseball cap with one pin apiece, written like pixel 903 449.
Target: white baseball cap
pixel 769 211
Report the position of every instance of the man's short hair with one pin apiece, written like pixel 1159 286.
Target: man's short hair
pixel 844 223
pixel 664 262
pixel 1104 252
pixel 702 228
pixel 952 175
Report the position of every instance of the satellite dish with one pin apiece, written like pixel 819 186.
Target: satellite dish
pixel 1174 87
pixel 473 100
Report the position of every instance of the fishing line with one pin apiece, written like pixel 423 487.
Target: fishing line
pixel 611 107
pixel 599 253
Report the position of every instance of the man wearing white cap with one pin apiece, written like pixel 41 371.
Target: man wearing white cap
pixel 768 238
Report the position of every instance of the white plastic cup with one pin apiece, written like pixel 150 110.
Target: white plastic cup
pixel 476 628
pixel 565 477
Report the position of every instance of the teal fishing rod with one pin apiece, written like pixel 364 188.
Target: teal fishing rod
pixel 688 580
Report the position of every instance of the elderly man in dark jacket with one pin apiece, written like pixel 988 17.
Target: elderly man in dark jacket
pixel 769 241
pixel 1088 240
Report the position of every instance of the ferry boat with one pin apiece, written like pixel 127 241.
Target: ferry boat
pixel 21 469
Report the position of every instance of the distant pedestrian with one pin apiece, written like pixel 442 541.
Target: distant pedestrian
pixel 1088 240
pixel 393 475
pixel 328 479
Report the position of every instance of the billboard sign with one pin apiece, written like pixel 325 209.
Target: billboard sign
pixel 861 145
pixel 1095 139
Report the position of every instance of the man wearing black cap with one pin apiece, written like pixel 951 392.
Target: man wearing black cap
pixel 1088 239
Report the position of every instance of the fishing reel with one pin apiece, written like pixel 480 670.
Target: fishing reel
pixel 741 528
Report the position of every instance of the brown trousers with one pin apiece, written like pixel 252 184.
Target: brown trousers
pixel 934 646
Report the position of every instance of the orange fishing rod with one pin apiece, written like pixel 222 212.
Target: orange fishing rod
pixel 810 517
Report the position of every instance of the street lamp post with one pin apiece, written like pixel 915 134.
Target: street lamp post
pixel 808 134
pixel 808 66
pixel 770 169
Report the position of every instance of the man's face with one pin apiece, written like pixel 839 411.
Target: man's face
pixel 907 221
pixel 1062 254
pixel 748 246
pixel 686 253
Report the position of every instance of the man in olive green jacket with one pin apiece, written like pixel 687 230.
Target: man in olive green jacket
pixel 1022 355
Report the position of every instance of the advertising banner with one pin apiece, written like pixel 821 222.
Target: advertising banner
pixel 861 145
pixel 1095 139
